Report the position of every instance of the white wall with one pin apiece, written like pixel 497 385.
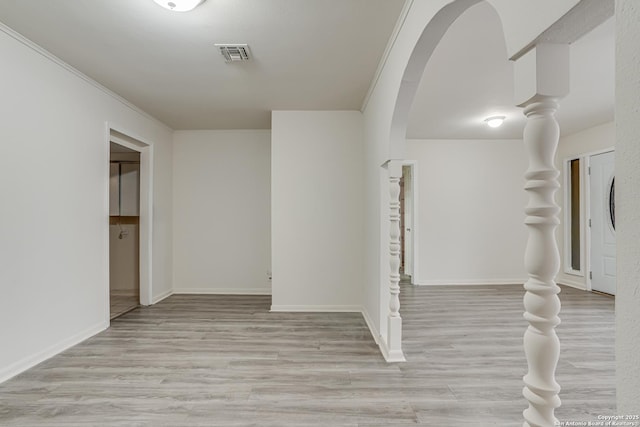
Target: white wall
pixel 628 206
pixel 579 144
pixel 384 118
pixel 54 173
pixel 222 214
pixel 470 213
pixel 317 210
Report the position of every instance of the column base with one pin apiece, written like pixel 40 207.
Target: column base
pixel 392 349
pixel 391 356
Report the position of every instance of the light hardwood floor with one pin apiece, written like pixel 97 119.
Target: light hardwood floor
pixel 121 304
pixel 228 361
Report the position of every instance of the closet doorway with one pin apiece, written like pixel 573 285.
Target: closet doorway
pixel 124 229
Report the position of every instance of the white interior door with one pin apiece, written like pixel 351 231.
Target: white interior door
pixel 603 237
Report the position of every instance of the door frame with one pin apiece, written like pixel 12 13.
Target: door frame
pixel 587 163
pixel 122 137
pixel 583 214
pixel 413 166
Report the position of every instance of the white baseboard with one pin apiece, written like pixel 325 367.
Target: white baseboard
pixel 390 357
pixel 122 293
pixel 381 341
pixel 466 282
pixel 224 291
pixel 318 308
pixel 374 332
pixel 571 284
pixel 162 296
pixel 31 361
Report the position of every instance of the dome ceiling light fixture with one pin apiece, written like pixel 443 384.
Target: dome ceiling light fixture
pixel 494 121
pixel 179 5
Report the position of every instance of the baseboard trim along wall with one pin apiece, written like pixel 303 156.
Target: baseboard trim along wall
pixel 224 291
pixel 572 284
pixel 31 361
pixel 318 308
pixel 466 282
pixel 340 309
pixel 162 296
pixel 343 309
pixel 372 329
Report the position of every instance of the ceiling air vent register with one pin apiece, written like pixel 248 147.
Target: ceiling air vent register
pixel 234 52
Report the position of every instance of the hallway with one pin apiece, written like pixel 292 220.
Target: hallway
pixel 207 360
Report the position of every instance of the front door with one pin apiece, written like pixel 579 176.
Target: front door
pixel 603 223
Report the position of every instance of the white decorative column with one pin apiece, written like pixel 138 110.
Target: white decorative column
pixel 542 78
pixel 542 261
pixel 394 321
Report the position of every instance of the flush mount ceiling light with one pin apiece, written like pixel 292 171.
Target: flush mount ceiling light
pixel 179 5
pixel 495 121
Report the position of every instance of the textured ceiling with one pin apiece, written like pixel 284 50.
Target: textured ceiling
pixel 308 55
pixel 469 78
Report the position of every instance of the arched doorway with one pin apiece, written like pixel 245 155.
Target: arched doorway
pixel 535 55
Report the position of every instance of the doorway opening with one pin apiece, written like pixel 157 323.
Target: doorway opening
pixel 573 219
pixel 437 129
pixel 129 230
pixel 408 221
pixel 124 229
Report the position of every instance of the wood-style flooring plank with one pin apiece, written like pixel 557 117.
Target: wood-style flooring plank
pixel 207 360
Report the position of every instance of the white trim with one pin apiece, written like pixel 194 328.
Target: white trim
pixel 587 215
pixel 413 164
pixel 317 308
pixel 145 148
pixel 123 292
pixel 162 296
pixel 466 282
pixel 374 332
pixel 596 152
pixel 31 361
pixel 571 284
pixel 379 340
pixel 391 357
pixel 50 56
pixel 573 272
pixel 385 55
pixel 566 244
pixel 222 291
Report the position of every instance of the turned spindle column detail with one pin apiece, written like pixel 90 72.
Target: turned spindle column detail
pixel 542 262
pixel 542 79
pixel 394 321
